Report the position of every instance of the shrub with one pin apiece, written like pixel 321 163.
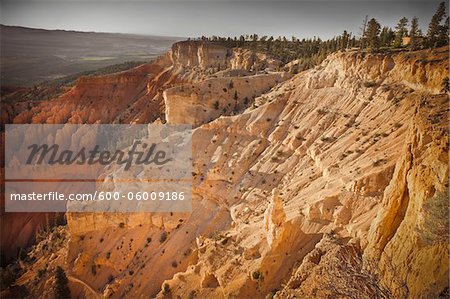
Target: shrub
pixel 216 105
pixel 378 162
pixel 7 277
pixel 322 111
pixel 256 275
pixel 165 289
pixel 326 139
pixel 40 272
pixel 163 237
pixel 368 84
pixel 94 269
pixel 435 227
pixel 61 284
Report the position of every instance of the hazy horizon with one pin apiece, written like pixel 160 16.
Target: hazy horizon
pixel 185 18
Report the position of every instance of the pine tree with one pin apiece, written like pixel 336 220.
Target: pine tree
pixel 353 42
pixel 443 33
pixel 386 37
pixel 62 290
pixel 344 40
pixel 363 33
pixel 414 33
pixel 434 27
pixel 372 34
pixel 400 31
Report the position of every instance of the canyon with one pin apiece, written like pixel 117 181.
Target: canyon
pixel 330 182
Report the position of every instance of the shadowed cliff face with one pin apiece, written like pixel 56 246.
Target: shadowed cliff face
pixel 339 164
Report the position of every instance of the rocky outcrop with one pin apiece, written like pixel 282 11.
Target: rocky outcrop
pixel 410 234
pixel 332 269
pixel 209 55
pixel 274 217
pixel 116 98
pixel 200 54
pixel 420 70
pixel 200 103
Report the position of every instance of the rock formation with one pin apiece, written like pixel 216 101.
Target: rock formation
pixel 343 167
pixel 410 234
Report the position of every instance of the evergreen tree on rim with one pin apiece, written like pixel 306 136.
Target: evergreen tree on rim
pixel 372 34
pixel 414 33
pixel 435 26
pixel 400 31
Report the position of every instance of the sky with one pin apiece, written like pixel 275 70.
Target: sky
pixel 186 18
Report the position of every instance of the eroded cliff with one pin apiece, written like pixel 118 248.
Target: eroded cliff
pixel 342 167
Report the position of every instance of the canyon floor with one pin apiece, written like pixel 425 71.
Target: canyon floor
pixel 330 183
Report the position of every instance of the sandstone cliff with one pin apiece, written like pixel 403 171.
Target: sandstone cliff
pixel 136 96
pixel 343 167
pixel 410 234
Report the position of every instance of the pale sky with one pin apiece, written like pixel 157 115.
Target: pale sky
pixel 187 18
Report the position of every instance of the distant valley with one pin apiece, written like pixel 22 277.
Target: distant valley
pixel 31 56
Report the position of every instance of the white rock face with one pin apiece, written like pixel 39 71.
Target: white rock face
pixel 199 103
pixel 274 217
pixel 208 55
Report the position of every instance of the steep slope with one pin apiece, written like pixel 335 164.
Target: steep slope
pixel 410 234
pixel 136 96
pixel 288 188
pixel 329 140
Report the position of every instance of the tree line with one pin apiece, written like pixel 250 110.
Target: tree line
pixel 373 37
